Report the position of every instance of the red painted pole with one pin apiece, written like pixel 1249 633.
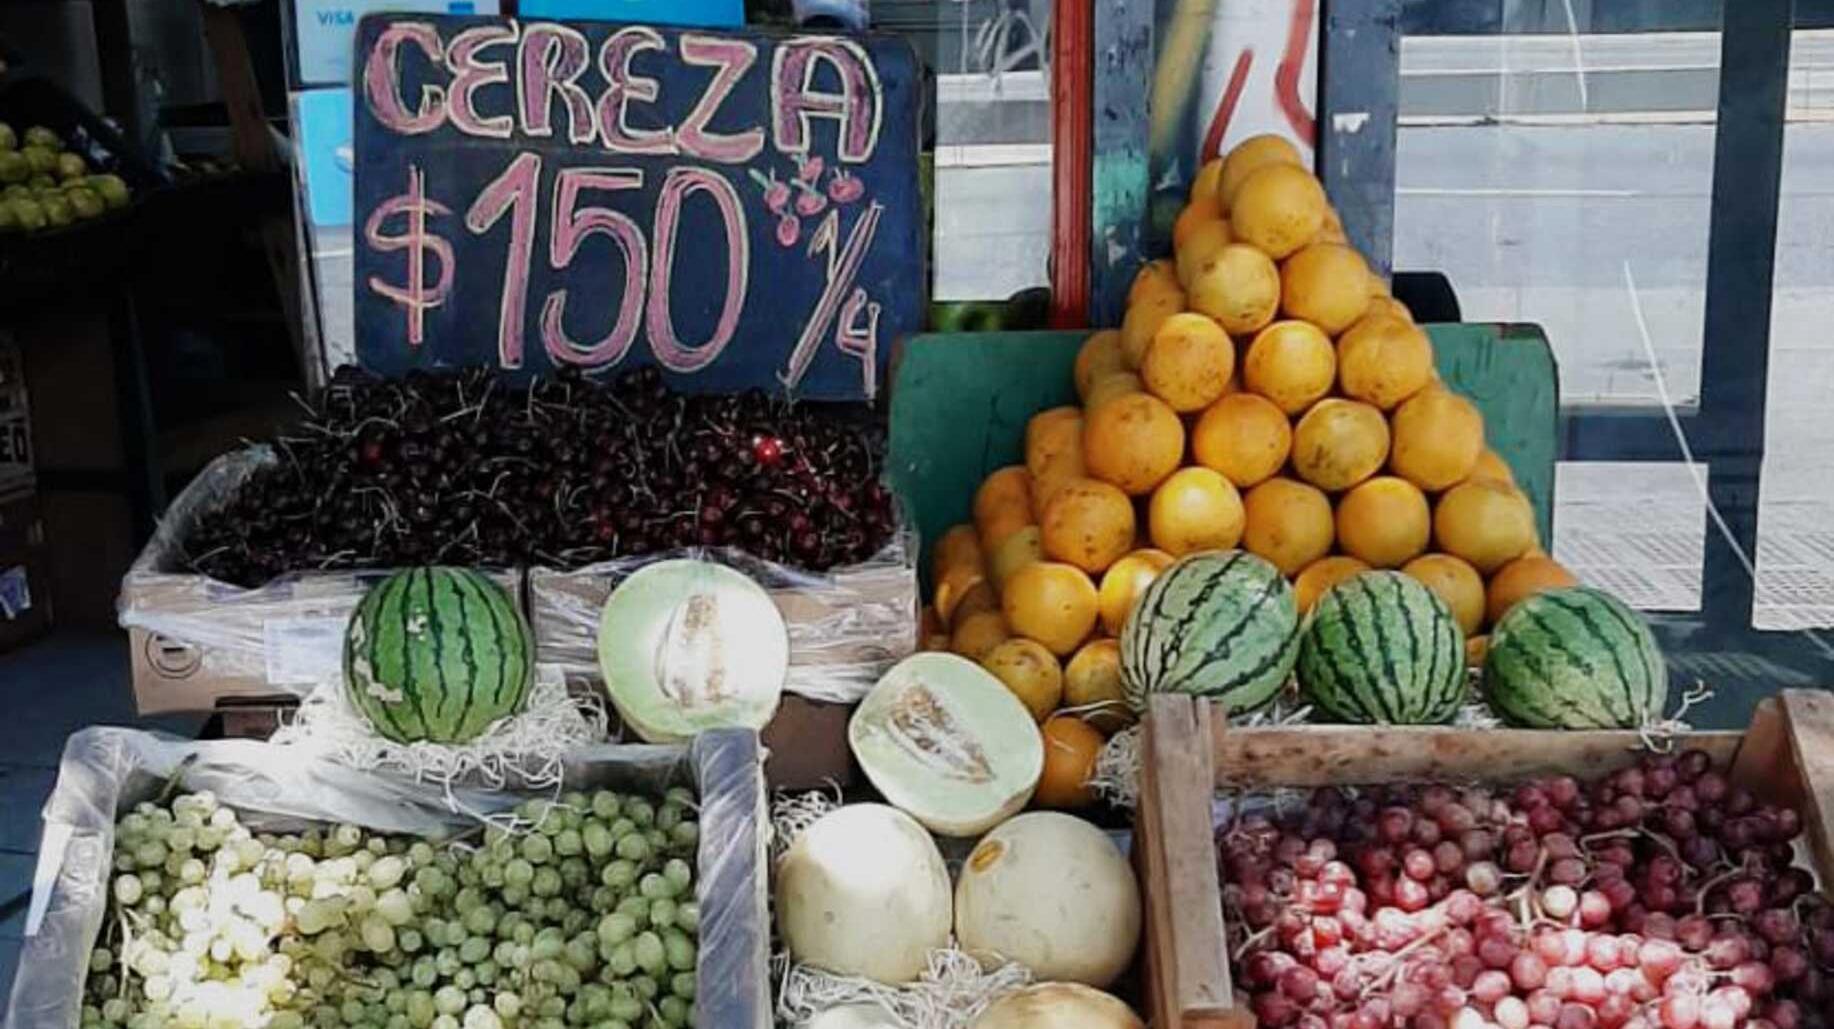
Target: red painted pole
pixel 1072 159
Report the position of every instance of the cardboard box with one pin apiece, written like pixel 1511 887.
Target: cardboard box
pixel 194 641
pixel 25 598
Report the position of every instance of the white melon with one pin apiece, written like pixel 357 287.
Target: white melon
pixel 944 740
pixel 854 1016
pixel 689 645
pixel 1053 893
pixel 1057 1006
pixel 864 891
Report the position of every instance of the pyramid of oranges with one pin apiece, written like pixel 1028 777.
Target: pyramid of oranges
pixel 1263 392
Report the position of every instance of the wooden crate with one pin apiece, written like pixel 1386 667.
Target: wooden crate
pixel 1786 755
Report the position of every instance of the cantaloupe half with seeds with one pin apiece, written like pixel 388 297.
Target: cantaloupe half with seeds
pixel 945 741
pixel 689 645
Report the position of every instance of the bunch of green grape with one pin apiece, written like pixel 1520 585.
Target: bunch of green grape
pixel 584 914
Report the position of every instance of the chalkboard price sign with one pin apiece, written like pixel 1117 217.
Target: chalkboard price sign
pixel 738 209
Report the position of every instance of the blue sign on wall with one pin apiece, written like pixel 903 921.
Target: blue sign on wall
pixel 704 13
pixel 739 209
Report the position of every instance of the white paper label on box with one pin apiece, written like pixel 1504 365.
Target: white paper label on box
pixel 304 650
pixel 15 593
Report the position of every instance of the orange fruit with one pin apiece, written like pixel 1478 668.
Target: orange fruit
pixel 1290 363
pixel 1071 748
pixel 979 597
pixel 1286 522
pixel 1332 231
pixel 1238 286
pixel 1051 602
pixel 1249 156
pixel 1384 522
pixel 1154 279
pixel 1314 579
pixel 1456 582
pixel 1092 686
pixel 1189 363
pixel 1100 355
pixel 1123 583
pixel 1490 465
pixel 1382 303
pixel 1438 436
pixel 1244 436
pixel 978 634
pixel 1112 385
pixel 1524 577
pixel 1030 671
pixel 1089 524
pixel 1484 522
pixel 1133 441
pixel 1383 360
pixel 960 545
pixel 1142 321
pixel 1326 284
pixel 1200 249
pixel 1053 452
pixel 1015 552
pixel 1278 208
pixel 1339 443
pixel 1205 182
pixel 1194 509
pixel 1476 649
pixel 1199 212
pixel 953 587
pixel 1002 505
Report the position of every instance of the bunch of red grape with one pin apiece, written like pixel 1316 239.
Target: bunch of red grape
pixel 1661 896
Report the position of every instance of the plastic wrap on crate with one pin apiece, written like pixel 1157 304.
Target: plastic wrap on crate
pixel 284 636
pixel 847 625
pixel 105 771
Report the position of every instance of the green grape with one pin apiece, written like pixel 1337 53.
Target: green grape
pixel 150 854
pixel 655 886
pixel 386 872
pixel 596 839
pixel 507 1003
pixel 675 1011
pixel 515 896
pixel 445 1021
pixel 474 950
pixel 395 907
pixel 556 909
pixel 128 889
pixel 657 839
pixel 465 979
pixel 547 882
pixel 581 954
pixel 649 952
pixel 623 959
pixel 486 972
pixel 641 812
pixel 637 908
pixel 679 950
pixel 567 843
pixel 447 961
pixel 491 874
pixel 449 1000
pixel 681 984
pixel 347 836
pixel 351 1011
pixel 663 911
pixel 615 928
pixel 182 839
pixel 518 872
pixel 378 935
pixel 548 945
pixel 633 847
pixel 619 874
pixel 426 972
pixel 537 849
pixel 481 1017
pixel 646 987
pixel 525 932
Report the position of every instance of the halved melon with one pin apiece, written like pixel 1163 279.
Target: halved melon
pixel 689 645
pixel 947 742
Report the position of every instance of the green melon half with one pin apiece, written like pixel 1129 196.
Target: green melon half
pixel 689 645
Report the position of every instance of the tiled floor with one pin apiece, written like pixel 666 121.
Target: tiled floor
pixel 50 689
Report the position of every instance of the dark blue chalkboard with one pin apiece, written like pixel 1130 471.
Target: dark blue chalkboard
pixel 740 209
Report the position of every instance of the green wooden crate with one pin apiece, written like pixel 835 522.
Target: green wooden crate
pixel 959 404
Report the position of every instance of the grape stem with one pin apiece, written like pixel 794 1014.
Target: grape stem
pixel 1252 939
pixel 1700 901
pixel 1393 968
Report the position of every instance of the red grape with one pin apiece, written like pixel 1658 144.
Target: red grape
pixel 1375 861
pixel 1483 878
pixel 1411 895
pixel 1594 909
pixel 1456 818
pixel 1575 1016
pixel 1562 790
pixel 1602 952
pixel 1623 980
pixel 1496 951
pixel 1490 986
pixel 1659 958
pixel 1753 977
pixel 1407 999
pixel 1528 971
pixel 1550 947
pixel 1788 963
pixel 1569 871
pixel 1694 932
pixel 1711 787
pixel 1448 857
pixel 1299 983
pixel 1465 968
pixel 1463 906
pixel 1418 864
pixel 1395 824
pixel 1614 1011
pixel 1726 951
pixel 1426 832
pixel 1543 1006
pixel 1588 985
pixel 1559 981
pixel 1459 942
pixel 1559 845
pixel 1784 1014
pixel 1274 1008
pixel 1448 1000
pixel 1511 1013
pixel 1733 997
pixel 1545 820
pixel 1331 960
pixel 1681 1011
pixel 1559 902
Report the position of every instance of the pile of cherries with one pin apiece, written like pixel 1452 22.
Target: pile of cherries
pixel 457 467
pixel 1660 896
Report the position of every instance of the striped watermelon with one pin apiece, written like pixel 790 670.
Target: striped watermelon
pixel 1218 624
pixel 1575 658
pixel 436 654
pixel 1380 648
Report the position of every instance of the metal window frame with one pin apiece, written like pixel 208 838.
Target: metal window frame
pixel 1360 80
